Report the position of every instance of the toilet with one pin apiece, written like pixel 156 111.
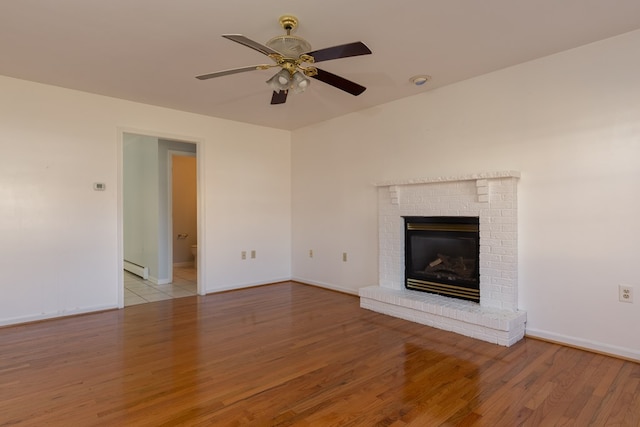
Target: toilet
pixel 194 252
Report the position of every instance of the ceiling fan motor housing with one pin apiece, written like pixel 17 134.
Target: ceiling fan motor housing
pixel 289 46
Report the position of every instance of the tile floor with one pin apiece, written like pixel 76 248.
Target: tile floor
pixel 140 291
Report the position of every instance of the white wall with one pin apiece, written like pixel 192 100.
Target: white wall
pixel 60 251
pixel 570 123
pixel 140 205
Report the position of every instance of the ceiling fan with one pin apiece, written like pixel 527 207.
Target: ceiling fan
pixel 294 55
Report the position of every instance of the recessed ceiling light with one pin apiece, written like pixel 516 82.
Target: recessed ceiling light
pixel 420 79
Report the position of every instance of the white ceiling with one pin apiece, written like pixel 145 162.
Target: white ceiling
pixel 150 50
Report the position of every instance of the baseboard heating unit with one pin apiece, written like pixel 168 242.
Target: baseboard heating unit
pixel 136 269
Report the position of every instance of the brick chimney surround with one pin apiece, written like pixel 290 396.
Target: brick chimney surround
pixel 491 196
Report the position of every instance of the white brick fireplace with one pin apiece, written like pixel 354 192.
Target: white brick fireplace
pixel 492 197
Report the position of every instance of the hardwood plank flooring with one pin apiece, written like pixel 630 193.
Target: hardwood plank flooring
pixel 289 354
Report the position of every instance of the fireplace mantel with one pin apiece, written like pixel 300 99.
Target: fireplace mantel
pixel 469 177
pixel 490 196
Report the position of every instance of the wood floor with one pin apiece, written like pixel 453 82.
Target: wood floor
pixel 290 354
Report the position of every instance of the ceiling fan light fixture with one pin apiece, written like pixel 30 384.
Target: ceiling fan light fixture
pixel 299 82
pixel 280 81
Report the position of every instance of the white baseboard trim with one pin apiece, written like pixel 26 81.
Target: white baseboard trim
pixel 325 285
pixel 598 347
pixel 157 281
pixel 246 285
pixel 53 315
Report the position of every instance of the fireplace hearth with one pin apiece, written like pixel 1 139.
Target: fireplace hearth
pixel 442 255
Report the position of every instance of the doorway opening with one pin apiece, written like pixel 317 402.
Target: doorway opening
pixel 160 184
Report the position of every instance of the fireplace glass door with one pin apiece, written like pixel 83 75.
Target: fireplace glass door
pixel 442 256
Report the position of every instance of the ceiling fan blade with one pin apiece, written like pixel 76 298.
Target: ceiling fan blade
pixel 341 51
pixel 239 38
pixel 279 97
pixel 339 82
pixel 232 71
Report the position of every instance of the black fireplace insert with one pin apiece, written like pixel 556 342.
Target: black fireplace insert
pixel 442 255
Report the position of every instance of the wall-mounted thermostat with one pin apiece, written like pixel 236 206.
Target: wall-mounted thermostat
pixel 99 186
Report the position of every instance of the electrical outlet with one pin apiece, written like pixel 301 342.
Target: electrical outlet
pixel 625 293
pixel 344 257
pixel 243 254
pixel 310 253
pixel 253 254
